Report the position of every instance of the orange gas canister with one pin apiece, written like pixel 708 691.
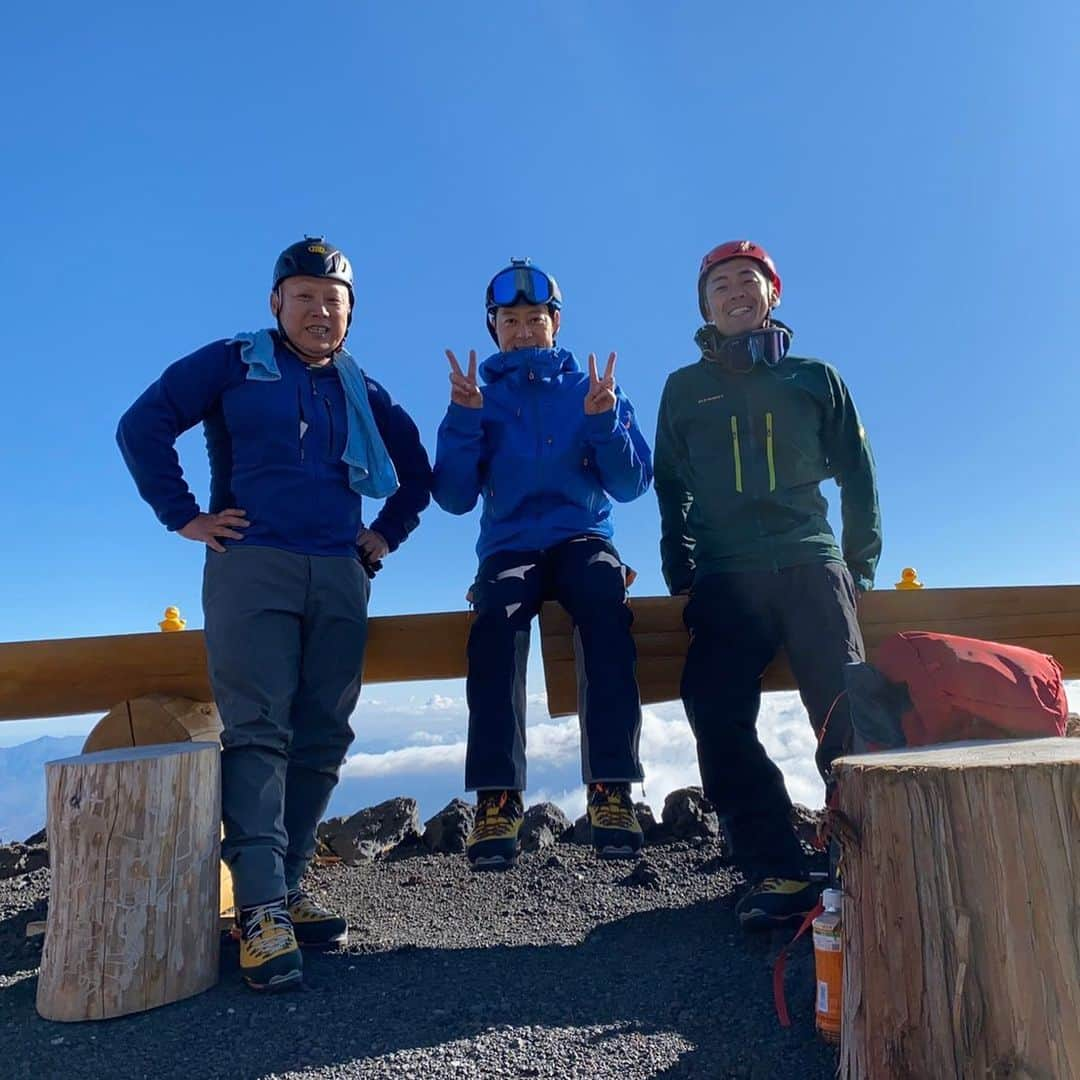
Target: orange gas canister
pixel 829 966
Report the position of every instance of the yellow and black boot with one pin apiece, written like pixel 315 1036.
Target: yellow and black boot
pixel 269 955
pixel 314 926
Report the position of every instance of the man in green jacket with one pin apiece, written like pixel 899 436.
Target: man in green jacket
pixel 744 438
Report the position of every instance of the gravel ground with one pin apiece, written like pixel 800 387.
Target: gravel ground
pixel 553 969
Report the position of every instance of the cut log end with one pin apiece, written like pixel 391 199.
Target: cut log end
pixel 155 718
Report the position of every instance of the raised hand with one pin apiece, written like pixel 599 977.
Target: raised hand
pixel 206 528
pixel 601 395
pixel 464 389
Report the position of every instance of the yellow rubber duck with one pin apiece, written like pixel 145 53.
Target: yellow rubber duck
pixel 909 579
pixel 172 620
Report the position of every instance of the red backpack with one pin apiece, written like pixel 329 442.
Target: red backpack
pixel 964 688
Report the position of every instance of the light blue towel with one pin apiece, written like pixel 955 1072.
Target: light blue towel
pixel 371 472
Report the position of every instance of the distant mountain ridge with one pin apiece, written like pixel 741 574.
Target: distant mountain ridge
pixel 22 782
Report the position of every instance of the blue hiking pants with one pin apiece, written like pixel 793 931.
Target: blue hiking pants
pixel 285 637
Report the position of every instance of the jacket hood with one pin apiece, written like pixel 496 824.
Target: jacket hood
pixel 546 363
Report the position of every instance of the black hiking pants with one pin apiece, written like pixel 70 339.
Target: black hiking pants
pixel 737 624
pixel 587 577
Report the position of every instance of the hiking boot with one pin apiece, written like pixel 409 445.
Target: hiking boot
pixel 269 957
pixel 493 842
pixel 775 901
pixel 314 926
pixel 616 833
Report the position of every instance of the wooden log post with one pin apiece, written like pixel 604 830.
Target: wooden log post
pixel 133 904
pixel 162 718
pixel 961 915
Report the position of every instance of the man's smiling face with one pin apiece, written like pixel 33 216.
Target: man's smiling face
pixel 738 295
pixel 314 313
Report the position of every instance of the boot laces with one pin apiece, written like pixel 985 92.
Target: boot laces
pixel 304 906
pixel 490 818
pixel 613 812
pixel 267 929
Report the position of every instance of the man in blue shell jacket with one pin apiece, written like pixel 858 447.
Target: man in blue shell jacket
pixel 296 435
pixel 544 445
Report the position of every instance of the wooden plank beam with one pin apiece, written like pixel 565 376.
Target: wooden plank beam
pixel 1041 617
pixel 69 676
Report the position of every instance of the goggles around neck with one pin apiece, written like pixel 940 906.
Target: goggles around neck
pixel 740 353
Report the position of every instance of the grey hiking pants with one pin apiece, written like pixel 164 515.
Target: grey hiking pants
pixel 285 637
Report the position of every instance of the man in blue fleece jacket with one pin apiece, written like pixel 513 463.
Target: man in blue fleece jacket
pixel 544 445
pixel 286 582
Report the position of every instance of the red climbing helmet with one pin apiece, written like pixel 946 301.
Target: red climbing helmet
pixel 735 249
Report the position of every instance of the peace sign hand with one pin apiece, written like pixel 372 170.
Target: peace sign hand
pixel 601 395
pixel 463 387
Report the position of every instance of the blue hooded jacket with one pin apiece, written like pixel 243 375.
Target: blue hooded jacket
pixel 545 469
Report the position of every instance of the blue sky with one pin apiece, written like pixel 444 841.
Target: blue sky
pixel 910 169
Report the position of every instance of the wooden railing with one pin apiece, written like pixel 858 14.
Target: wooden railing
pixel 1042 617
pixel 69 676
pixel 65 677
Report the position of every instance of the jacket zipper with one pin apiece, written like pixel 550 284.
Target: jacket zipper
pixel 330 430
pixel 769 451
pixel 537 413
pixel 735 447
pixel 302 426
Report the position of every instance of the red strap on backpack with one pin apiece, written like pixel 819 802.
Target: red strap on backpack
pixel 780 965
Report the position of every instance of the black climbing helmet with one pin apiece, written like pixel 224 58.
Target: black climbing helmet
pixel 314 257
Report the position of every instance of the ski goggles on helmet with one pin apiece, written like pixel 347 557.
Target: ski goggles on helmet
pixel 520 282
pixel 739 354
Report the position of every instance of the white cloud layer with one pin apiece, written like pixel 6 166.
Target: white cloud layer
pixel 417 748
pixel 431 766
pixel 407 760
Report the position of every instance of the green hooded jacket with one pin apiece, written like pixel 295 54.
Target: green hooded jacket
pixel 738 463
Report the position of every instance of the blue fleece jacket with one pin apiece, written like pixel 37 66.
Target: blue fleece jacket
pixel 545 469
pixel 275 451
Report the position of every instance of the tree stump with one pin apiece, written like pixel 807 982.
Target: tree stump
pixel 161 718
pixel 962 911
pixel 133 902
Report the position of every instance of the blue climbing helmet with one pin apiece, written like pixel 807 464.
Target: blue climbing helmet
pixel 520 283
